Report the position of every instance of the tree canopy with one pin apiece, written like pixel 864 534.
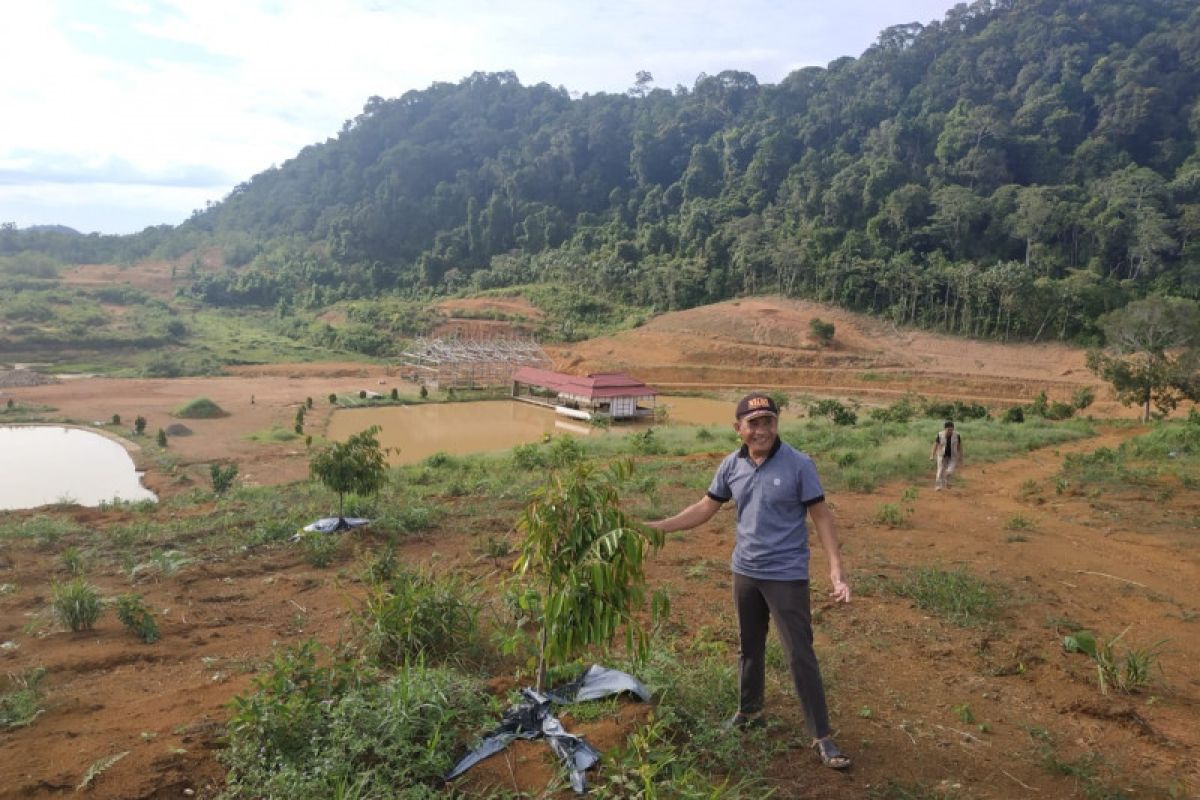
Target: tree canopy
pixel 1016 169
pixel 1154 353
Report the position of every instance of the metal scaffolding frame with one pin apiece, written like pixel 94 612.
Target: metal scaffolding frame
pixel 470 363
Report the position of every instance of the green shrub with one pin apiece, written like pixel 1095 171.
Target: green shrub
pixel 222 477
pixel 416 615
pixel 319 548
pixel 956 410
pixel 646 443
pixel 822 331
pixel 1039 405
pixel 1058 411
pixel 139 425
pixel 200 408
pixel 902 410
pixel 332 399
pixel 528 456
pixel 1083 397
pixel 834 410
pixel 565 450
pixel 161 438
pixel 440 459
pixel 1014 414
pixel 76 604
pixel 136 618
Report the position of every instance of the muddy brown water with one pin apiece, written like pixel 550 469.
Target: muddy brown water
pixel 44 464
pixel 416 432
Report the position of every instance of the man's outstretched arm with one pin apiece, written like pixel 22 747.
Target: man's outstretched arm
pixel 697 513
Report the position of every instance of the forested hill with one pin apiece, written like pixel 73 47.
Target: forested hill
pixel 1015 169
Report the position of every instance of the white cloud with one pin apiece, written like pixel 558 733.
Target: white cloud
pixel 238 85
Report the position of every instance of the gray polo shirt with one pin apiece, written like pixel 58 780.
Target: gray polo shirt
pixel 772 503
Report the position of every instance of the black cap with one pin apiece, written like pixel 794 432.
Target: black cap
pixel 755 404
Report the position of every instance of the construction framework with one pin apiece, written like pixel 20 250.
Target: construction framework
pixel 442 363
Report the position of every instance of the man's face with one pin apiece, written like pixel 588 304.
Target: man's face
pixel 758 433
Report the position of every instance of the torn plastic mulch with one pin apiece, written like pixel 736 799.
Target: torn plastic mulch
pixel 335 524
pixel 533 719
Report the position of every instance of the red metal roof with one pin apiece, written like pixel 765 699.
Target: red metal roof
pixel 598 385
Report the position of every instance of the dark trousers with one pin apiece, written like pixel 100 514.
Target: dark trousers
pixel 786 602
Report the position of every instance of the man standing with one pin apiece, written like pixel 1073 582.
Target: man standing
pixel 775 487
pixel 947 452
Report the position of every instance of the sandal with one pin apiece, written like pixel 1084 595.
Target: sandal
pixel 830 755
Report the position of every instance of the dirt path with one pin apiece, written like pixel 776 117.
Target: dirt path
pixel 897 675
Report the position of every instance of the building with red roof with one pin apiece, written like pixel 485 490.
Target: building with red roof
pixel 611 394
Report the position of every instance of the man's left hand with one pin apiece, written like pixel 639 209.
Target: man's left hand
pixel 841 590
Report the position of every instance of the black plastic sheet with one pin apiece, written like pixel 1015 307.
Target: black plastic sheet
pixel 534 719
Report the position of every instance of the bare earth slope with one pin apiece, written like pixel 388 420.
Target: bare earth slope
pixel 767 341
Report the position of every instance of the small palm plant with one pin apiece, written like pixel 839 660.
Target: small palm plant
pixel 581 563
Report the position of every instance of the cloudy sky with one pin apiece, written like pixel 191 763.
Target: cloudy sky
pixel 119 114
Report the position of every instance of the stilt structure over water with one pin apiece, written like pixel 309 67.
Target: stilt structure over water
pixel 443 363
pixel 610 394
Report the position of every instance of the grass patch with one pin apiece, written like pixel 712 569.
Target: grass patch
pixel 1166 458
pixel 1085 770
pixel 274 435
pixel 46 530
pixel 954 595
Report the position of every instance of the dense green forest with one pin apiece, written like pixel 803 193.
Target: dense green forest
pixel 1012 171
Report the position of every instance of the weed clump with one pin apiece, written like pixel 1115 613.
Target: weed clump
pixel 136 618
pixel 20 700
pixel 76 604
pixel 412 615
pixel 312 729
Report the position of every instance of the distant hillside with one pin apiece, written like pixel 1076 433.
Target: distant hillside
pixel 1013 170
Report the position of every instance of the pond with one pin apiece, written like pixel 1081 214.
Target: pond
pixel 419 431
pixel 44 464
